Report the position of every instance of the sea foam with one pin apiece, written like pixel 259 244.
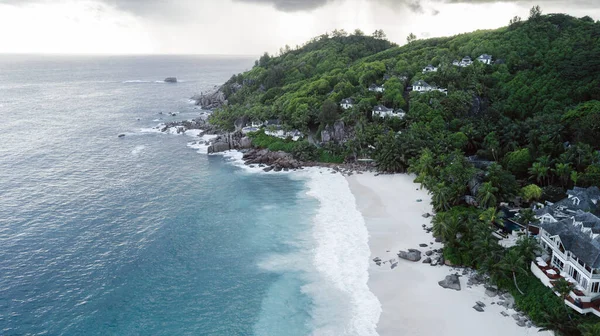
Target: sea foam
pixel 343 303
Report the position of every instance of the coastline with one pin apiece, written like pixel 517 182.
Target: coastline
pixel 413 304
pixel 406 300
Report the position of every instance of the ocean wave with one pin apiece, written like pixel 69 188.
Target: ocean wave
pixel 135 81
pixel 343 302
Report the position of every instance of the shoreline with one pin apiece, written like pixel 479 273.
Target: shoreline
pixel 410 300
pixel 413 304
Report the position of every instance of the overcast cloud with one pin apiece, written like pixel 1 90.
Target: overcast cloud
pixel 243 26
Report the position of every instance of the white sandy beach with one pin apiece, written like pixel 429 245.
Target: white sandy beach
pixel 413 303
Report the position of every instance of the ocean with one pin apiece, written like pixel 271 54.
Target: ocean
pixel 146 234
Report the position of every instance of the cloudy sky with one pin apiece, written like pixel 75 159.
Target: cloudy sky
pixel 245 27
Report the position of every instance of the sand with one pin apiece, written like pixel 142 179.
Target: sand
pixel 412 301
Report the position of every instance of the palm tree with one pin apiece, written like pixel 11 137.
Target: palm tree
pixel 514 263
pixel 447 225
pixel 526 217
pixel 486 195
pixel 538 172
pixel 491 217
pixel 555 319
pixel 563 171
pixel 486 247
pixel 574 177
pixel 590 329
pixel 528 248
pixel 563 288
pixel 440 197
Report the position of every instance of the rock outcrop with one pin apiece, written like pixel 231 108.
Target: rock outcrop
pixel 278 160
pixel 171 80
pixel 210 100
pixel 412 255
pixel 451 282
pixel 227 141
pixel 336 133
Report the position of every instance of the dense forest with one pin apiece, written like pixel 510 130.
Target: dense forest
pixel 533 116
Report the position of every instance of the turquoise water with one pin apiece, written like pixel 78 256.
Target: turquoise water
pixel 141 235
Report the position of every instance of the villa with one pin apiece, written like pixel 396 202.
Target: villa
pixel 485 59
pixel 430 68
pixel 347 103
pixel 422 86
pixel 465 62
pixel 570 236
pixel 382 112
pixel 376 88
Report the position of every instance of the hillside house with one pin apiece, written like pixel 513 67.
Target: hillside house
pixel 376 88
pixel 347 103
pixel 430 68
pixel 384 112
pixel 422 86
pixel 465 62
pixel 485 59
pixel 570 237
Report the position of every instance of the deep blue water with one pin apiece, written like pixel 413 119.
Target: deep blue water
pixel 140 235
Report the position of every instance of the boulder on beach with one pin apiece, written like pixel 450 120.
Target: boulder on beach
pixel 171 80
pixel 491 291
pixel 478 308
pixel 412 255
pixel 451 282
pixel 426 215
pixel 427 260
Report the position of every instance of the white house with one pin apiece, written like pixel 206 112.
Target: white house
pixel 347 103
pixel 570 237
pixel 430 68
pixel 376 88
pixel 256 124
pixel 383 112
pixel 465 62
pixel 422 86
pixel 485 58
pixel 279 133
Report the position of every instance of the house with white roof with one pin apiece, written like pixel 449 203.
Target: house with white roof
pixel 347 103
pixel 570 236
pixel 430 68
pixel 485 59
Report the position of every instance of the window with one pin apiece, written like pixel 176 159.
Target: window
pixel 557 263
pixel 595 287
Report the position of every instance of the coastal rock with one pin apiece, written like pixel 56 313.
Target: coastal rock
pixel 478 308
pixel 521 323
pixel 377 259
pixel 268 169
pixel 394 265
pixel 451 282
pixel 426 215
pixel 491 291
pixel 505 314
pixel 412 255
pixel 423 245
pixel 171 80
pixel 427 260
pixel 481 304
pixel 428 253
pixel 210 100
pixel 121 135
pixel 218 147
pixel 239 123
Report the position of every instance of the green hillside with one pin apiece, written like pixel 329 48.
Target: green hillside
pixel 532 116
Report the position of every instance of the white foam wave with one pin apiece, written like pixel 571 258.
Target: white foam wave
pixel 135 81
pixel 343 302
pixel 138 149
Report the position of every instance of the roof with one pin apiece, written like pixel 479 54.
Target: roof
pixel 467 58
pixel 373 86
pixel 588 220
pixel 272 122
pixel 485 56
pixel 399 111
pixel 421 83
pixel 347 101
pixel 381 108
pixel 429 67
pixel 579 243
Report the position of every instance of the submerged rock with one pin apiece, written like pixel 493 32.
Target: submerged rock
pixel 478 308
pixel 171 80
pixel 121 135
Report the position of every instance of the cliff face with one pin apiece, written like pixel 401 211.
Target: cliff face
pixel 211 99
